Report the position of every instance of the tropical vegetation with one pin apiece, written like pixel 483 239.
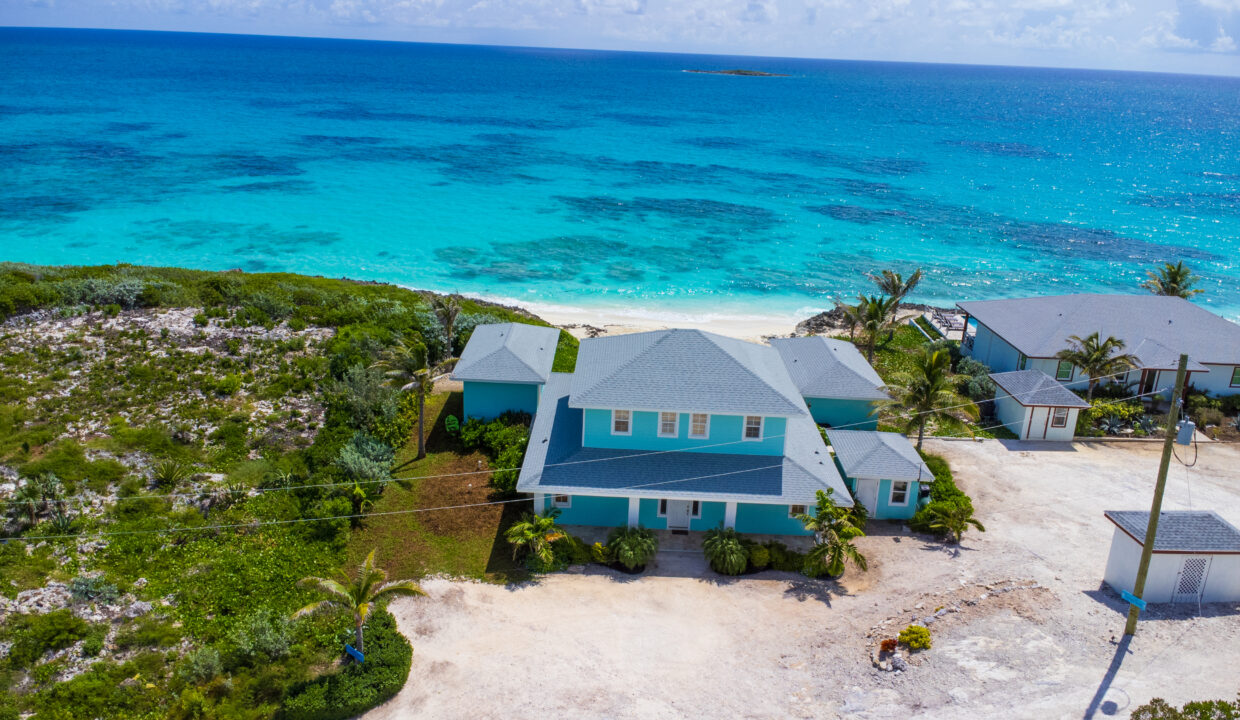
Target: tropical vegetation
pixel 927 393
pixel 1097 358
pixel 632 547
pixel 1174 279
pixel 725 551
pixel 359 596
pixel 533 537
pixel 834 528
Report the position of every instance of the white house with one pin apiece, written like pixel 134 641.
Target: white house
pixel 1033 405
pixel 1196 556
pixel 1026 334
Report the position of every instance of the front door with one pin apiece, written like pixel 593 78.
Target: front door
pixel 1148 378
pixel 867 493
pixel 679 512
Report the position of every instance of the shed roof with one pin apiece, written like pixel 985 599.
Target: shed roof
pixel 1040 326
pixel 823 367
pixel 556 462
pixel 508 353
pixel 880 455
pixel 1035 388
pixel 1181 531
pixel 688 370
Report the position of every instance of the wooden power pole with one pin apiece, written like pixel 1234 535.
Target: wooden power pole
pixel 1147 547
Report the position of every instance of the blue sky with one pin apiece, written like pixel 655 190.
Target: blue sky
pixel 1195 36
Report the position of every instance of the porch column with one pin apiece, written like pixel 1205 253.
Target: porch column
pixel 635 506
pixel 729 515
pixel 540 503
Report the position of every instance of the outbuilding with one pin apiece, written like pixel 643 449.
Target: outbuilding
pixel 882 469
pixel 504 368
pixel 1196 556
pixel 1035 406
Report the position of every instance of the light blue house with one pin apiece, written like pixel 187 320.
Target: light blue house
pixel 504 368
pixel 680 430
pixel 883 469
pixel 840 388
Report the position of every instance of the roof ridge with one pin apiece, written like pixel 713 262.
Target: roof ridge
pixel 511 334
pixel 664 335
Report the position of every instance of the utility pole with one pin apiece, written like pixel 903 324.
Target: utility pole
pixel 1147 548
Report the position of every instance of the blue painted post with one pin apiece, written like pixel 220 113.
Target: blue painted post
pixel 353 653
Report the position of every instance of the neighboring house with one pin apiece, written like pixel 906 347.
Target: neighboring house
pixel 1033 405
pixel 680 430
pixel 883 469
pixel 839 386
pixel 1196 556
pixel 1027 333
pixel 504 368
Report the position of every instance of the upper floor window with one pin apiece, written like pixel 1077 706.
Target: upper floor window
pixel 1064 371
pixel 621 422
pixel 899 493
pixel 753 427
pixel 1235 377
pixel 1059 417
pixel 1021 360
pixel 699 425
pixel 669 424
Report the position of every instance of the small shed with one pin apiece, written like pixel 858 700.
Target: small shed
pixel 1196 556
pixel 1035 406
pixel 504 368
pixel 882 469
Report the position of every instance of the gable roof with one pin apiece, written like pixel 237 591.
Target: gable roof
pixel 883 455
pixel 1035 388
pixel 1040 326
pixel 508 353
pixel 687 370
pixel 556 462
pixel 823 367
pixel 1180 531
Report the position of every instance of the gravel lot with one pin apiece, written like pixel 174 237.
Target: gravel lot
pixel 1033 634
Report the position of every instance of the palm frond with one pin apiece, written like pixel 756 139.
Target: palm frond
pixel 316 607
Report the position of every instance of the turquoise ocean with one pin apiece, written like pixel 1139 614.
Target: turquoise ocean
pixel 611 180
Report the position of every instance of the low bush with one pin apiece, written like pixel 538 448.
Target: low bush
pixel 263 636
pixel 504 440
pixel 782 558
pixel 1159 709
pixel 359 686
pixel 632 547
pixel 93 589
pixel 943 493
pixel 34 635
pixel 200 666
pixel 888 645
pixel 915 637
pixel 725 551
pixel 148 632
pixel 759 557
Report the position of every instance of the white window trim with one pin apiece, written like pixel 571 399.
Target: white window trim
pixel 891 494
pixel 563 506
pixel 675 431
pixel 613 423
pixel 1054 413
pixel 804 509
pixel 660 509
pixel 705 436
pixel 745 426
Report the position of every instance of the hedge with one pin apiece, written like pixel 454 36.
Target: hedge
pixel 358 687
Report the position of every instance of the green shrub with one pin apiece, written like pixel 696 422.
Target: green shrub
pixel 200 665
pixel 34 635
pixel 504 440
pixel 725 551
pixel 632 547
pixel 201 320
pixel 600 554
pixel 915 637
pixel 943 491
pixel 93 644
pixel 357 687
pixel 366 459
pixel 170 473
pixel 1159 709
pixel 759 557
pixel 93 589
pixel 782 558
pixel 228 385
pixel 148 632
pixel 263 636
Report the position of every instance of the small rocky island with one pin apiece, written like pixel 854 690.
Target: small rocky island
pixel 749 73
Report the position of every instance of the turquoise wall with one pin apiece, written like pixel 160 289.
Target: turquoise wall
pixel 645 436
pixel 590 510
pixel 648 515
pixel 767 520
pixel 712 516
pixel 855 414
pixel 488 401
pixel 887 511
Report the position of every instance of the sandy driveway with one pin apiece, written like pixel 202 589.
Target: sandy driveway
pixel 1025 632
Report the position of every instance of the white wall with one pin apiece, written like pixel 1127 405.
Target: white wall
pixel 991 350
pixel 1222 582
pixel 1216 381
pixel 1010 413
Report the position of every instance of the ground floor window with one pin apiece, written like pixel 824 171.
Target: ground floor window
pixel 899 493
pixel 794 510
pixel 1059 417
pixel 562 501
pixel 695 509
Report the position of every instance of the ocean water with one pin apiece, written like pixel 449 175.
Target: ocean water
pixel 611 180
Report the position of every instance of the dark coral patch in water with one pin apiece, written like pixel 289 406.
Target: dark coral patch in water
pixel 874 165
pixel 287 187
pixel 716 143
pixel 1193 203
pixel 239 238
pixel 747 217
pixel 861 215
pixel 251 165
pixel 639 119
pixel 1003 149
pixel 128 127
pixel 354 113
pixel 338 141
pixel 41 208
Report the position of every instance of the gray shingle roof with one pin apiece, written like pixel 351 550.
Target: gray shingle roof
pixel 1154 355
pixel 1181 531
pixel 508 352
pixel 555 462
pixel 880 455
pixel 1034 387
pixel 686 370
pixel 1040 326
pixel 823 367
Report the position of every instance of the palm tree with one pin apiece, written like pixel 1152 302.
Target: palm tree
pixel 893 284
pixel 927 392
pixel 852 316
pixel 953 518
pixel 1177 280
pixel 535 534
pixel 877 314
pixel 1097 358
pixel 406 369
pixel 357 596
pixel 632 547
pixel 28 499
pixel 447 308
pixel 834 530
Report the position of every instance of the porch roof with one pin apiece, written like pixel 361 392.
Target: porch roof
pixel 556 462
pixel 878 455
